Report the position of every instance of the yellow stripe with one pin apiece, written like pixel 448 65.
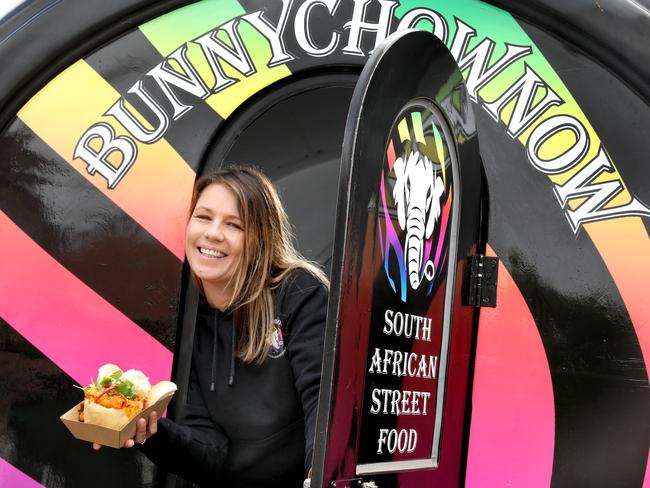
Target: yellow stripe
pixel 156 190
pixel 403 130
pixel 226 101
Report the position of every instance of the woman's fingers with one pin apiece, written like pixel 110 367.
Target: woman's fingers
pixel 152 426
pixel 143 430
pixel 140 431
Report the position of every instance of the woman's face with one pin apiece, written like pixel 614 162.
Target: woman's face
pixel 214 238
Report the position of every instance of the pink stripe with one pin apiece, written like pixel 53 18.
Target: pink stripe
pixel 65 319
pixel 12 477
pixel 513 417
pixel 381 236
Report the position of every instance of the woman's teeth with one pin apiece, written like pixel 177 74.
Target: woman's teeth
pixel 212 253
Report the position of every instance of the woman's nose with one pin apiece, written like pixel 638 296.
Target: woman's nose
pixel 214 232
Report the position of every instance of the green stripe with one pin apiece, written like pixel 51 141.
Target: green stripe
pixel 172 30
pixel 169 32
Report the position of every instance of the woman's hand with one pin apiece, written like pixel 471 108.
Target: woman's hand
pixel 143 430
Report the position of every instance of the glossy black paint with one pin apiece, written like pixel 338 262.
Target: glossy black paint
pixel 600 381
pixel 87 233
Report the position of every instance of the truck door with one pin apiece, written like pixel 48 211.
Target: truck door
pixel 398 350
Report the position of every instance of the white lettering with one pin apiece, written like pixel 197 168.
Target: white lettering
pixel 376 402
pixel 524 89
pixel 189 82
pixel 388 358
pixel 398 402
pixel 132 124
pixel 375 366
pixel 236 56
pixel 358 25
pixel 398 324
pixel 544 131
pixel 97 161
pixel 412 17
pixel 397 359
pixel 477 59
pixel 303 35
pixel 426 330
pixel 388 322
pixel 274 34
pixel 599 194
pixel 394 440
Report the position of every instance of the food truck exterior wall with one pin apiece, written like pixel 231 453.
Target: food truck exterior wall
pixel 92 247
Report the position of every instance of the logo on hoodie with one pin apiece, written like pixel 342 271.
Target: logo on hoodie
pixel 276 346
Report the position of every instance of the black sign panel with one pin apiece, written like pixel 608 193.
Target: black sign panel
pixel 399 338
pixel 410 310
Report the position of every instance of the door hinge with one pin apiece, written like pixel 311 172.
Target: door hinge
pixel 481 281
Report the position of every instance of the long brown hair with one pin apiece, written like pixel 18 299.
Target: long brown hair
pixel 268 255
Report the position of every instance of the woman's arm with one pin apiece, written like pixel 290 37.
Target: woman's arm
pixel 305 303
pixel 192 447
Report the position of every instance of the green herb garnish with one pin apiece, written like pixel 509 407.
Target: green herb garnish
pixel 126 388
pixel 116 384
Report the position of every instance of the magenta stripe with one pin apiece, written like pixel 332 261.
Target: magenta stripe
pixel 65 319
pixel 512 432
pixel 11 477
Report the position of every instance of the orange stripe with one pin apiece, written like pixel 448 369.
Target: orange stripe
pixel 156 190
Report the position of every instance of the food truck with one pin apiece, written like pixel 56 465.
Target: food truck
pixel 471 174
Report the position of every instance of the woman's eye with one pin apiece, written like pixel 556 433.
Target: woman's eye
pixel 202 217
pixel 235 225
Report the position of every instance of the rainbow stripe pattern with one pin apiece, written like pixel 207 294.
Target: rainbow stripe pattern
pixel 70 317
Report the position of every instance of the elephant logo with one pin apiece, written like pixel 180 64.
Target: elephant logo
pixel 416 194
pixel 416 199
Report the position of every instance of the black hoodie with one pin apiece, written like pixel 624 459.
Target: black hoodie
pixel 248 425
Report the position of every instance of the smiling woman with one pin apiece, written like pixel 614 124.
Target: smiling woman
pixel 260 299
pixel 214 243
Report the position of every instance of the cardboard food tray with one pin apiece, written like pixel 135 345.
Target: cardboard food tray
pixel 104 435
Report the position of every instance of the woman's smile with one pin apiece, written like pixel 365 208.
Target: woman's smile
pixel 211 253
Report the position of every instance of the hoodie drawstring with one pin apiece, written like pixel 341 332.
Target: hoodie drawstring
pixel 231 378
pixel 214 356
